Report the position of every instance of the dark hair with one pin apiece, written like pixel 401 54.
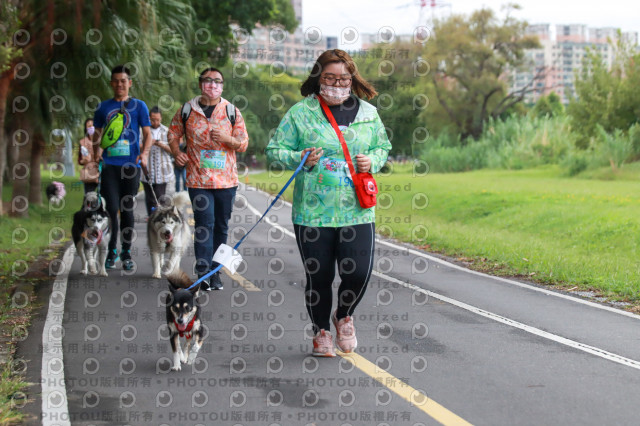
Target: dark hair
pixel 359 85
pixel 85 124
pixel 118 69
pixel 155 110
pixel 210 69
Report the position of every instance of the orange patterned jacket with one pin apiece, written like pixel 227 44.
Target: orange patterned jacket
pixel 211 165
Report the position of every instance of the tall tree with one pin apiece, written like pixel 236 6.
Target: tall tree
pixel 70 47
pixel 607 97
pixel 9 52
pixel 470 59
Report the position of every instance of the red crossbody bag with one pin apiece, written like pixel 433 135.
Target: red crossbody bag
pixel 364 183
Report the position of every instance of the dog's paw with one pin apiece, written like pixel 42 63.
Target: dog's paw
pixel 84 272
pixel 192 357
pixel 103 273
pixel 93 271
pixel 176 367
pixel 156 275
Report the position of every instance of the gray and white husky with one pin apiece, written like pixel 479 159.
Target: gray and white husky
pixel 91 231
pixel 168 232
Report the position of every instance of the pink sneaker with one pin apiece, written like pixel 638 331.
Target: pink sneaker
pixel 323 344
pixel 345 334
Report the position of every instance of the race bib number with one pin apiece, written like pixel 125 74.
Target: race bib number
pixel 121 148
pixel 212 159
pixel 333 173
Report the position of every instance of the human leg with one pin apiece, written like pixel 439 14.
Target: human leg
pixel 202 203
pixel 317 250
pixel 109 189
pixel 90 186
pixel 148 198
pixel 129 185
pixel 355 250
pixel 355 261
pixel 160 190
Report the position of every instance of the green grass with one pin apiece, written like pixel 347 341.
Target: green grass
pixel 10 386
pixel 22 242
pixel 534 223
pixel 25 239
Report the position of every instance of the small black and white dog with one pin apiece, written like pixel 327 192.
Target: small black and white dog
pixel 55 192
pixel 91 231
pixel 183 318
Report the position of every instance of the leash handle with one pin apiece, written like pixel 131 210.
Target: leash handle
pixel 284 188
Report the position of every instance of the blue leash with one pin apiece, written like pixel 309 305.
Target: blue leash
pixel 284 188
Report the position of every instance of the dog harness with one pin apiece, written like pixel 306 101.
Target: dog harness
pixel 187 331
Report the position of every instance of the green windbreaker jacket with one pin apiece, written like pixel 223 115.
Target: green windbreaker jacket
pixel 324 196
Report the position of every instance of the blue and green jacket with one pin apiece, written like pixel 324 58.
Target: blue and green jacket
pixel 324 196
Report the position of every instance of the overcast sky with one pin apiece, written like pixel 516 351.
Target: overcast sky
pixel 368 16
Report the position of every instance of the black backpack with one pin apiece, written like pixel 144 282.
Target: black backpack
pixel 186 112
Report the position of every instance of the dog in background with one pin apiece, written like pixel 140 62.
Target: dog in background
pixel 168 232
pixel 55 192
pixel 183 318
pixel 91 231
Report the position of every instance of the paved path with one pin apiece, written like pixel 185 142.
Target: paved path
pixel 438 344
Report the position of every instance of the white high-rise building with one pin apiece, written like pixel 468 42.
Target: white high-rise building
pixel 294 52
pixel 559 58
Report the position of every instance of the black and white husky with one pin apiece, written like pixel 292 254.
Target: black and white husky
pixel 168 232
pixel 183 318
pixel 91 231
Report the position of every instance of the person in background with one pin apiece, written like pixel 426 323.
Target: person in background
pixel 121 171
pixel 160 167
pixel 212 174
pixel 89 172
pixel 180 172
pixel 330 226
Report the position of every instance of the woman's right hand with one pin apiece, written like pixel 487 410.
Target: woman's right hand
pixel 314 157
pixel 181 159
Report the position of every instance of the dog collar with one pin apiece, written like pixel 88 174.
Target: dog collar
pixel 187 331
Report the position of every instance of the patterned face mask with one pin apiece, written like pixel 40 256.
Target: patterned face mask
pixel 212 91
pixel 334 95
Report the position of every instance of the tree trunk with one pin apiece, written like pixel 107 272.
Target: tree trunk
pixel 20 176
pixel 35 190
pixel 5 79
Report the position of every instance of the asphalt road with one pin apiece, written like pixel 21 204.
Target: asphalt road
pixel 437 344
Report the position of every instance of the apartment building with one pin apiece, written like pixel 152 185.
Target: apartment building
pixel 291 52
pixel 563 49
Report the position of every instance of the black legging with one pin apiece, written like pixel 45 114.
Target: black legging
pixel 352 248
pixel 119 186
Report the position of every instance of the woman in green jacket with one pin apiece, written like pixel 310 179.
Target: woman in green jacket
pixel 330 226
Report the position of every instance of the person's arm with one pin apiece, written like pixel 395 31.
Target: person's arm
pixel 176 132
pixel 146 146
pixel 95 140
pixel 378 150
pixel 284 146
pixel 84 159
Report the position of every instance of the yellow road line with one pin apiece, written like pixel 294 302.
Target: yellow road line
pixel 414 396
pixel 242 281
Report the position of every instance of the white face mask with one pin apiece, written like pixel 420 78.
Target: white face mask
pixel 90 130
pixel 334 95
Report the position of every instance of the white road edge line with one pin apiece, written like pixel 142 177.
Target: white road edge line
pixel 533 330
pixel 554 337
pixel 471 271
pixel 55 409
